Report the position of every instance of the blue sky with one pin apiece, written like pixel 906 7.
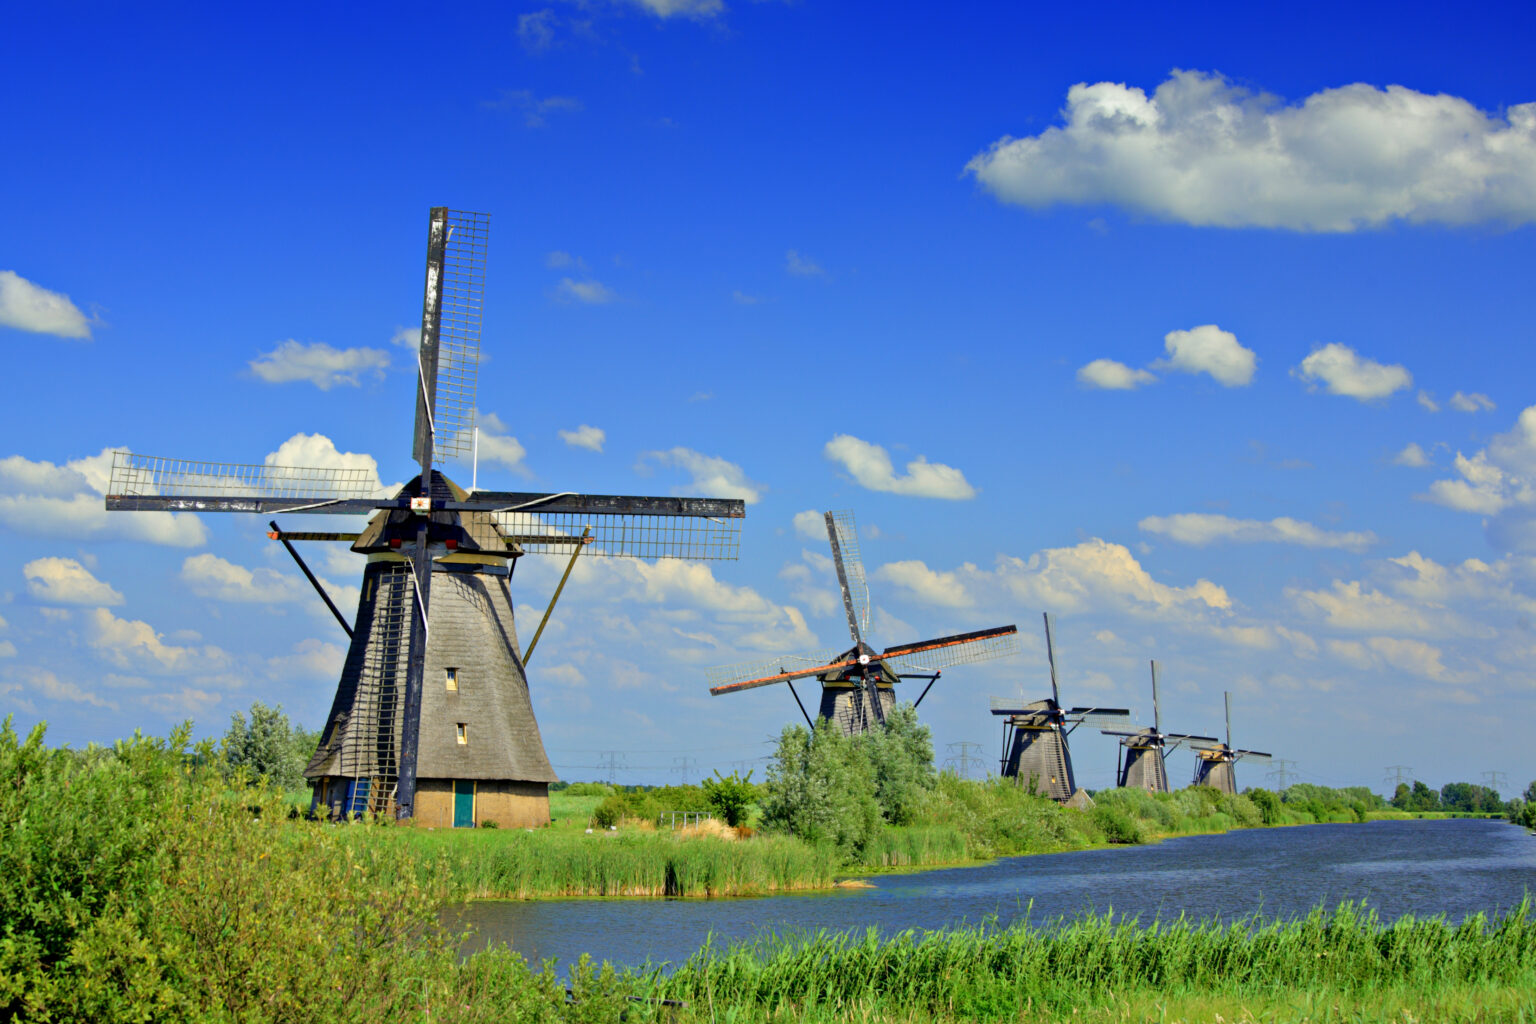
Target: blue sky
pixel 1206 331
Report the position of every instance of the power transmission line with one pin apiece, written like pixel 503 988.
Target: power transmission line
pixel 1398 775
pixel 1495 780
pixel 963 759
pixel 1282 772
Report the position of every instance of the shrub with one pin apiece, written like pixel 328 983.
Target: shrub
pixel 730 796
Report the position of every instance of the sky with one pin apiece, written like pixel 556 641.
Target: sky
pixel 1206 330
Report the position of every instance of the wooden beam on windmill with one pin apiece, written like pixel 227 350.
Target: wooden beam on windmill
pixel 389 734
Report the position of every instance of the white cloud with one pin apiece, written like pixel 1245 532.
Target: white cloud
pixel 43 683
pixel 1202 150
pixel 713 477
pixel 1353 606
pixel 801 266
pixel 316 451
pixel 66 581
pixel 1412 455
pixel 533 109
pixel 497 447
pixel 559 260
pixel 1473 402
pixel 28 307
pixel 1097 574
pixel 1343 372
pixel 1113 376
pixel 870 466
pixel 742 298
pixel 812 524
pixel 936 588
pixel 1406 655
pixel 1201 528
pixel 187 702
pixel 309 659
pixel 536 30
pixel 696 9
pixel 319 364
pixel 217 579
pixel 1209 349
pixel 134 644
pixel 1427 400
pixel 585 436
pixel 7 649
pixel 1497 478
pixel 408 338
pixel 590 293
pixel 42 499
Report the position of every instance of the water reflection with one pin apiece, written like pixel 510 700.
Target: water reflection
pixel 1455 868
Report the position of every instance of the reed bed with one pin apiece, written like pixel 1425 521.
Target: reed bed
pixel 986 973
pixel 496 864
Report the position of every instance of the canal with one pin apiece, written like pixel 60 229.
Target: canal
pixel 1454 868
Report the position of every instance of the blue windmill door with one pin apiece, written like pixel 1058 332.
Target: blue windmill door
pixel 463 803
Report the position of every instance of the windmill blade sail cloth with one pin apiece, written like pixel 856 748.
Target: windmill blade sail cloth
pixel 961 649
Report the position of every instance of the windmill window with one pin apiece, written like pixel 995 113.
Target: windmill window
pixel 463 734
pixel 451 678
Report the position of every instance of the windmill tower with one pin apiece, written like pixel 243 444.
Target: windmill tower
pixel 858 685
pixel 1213 766
pixel 1035 751
pixel 1141 764
pixel 432 718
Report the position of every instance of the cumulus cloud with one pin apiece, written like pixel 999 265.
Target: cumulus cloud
pixel 1342 372
pixel 497 447
pixel 1201 528
pixel 1496 479
pixel 40 682
pixel 713 477
pixel 1097 574
pixel 935 588
pixel 801 266
pixel 309 659
pixel 1427 400
pixel 217 579
pixel 66 581
pixel 1351 605
pixel 1209 349
pixel 696 9
pixel 1473 402
pixel 585 436
pixel 589 293
pixel 870 466
pixel 1412 455
pixel 407 338
pixel 319 364
pixel 1406 655
pixel 534 110
pixel 45 500
pixel 133 644
pixel 316 451
pixel 812 524
pixel 29 307
pixel 1203 150
pixel 1113 376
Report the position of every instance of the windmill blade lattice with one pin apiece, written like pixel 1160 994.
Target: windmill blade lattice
pixel 750 674
pixel 458 352
pixel 153 476
pixel 624 534
pixel 845 546
pixel 962 649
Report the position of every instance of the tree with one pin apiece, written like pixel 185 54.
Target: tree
pixel 1423 798
pixel 901 755
pixel 268 745
pixel 730 796
pixel 821 787
pixel 1402 796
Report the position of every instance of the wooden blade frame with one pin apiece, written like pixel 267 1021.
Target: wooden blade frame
pixel 928 650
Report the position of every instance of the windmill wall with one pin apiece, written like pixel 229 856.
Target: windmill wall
pixel 479 732
pixel 1215 773
pixel 1144 769
pixel 1039 757
pixel 848 707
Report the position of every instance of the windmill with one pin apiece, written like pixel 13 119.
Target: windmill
pixel 432 718
pixel 1144 750
pixel 857 686
pixel 1035 751
pixel 1213 766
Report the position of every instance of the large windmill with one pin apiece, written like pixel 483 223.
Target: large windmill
pixel 1141 765
pixel 857 685
pixel 1213 766
pixel 432 718
pixel 1035 751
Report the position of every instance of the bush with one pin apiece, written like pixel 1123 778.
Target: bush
pixel 730 796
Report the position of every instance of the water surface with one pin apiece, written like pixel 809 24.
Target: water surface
pixel 1454 868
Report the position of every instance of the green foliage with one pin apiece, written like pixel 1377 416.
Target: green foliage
pixel 1268 803
pixel 1418 797
pixel 1322 804
pixel 730 796
pixel 901 756
pixel 647 803
pixel 1470 797
pixel 267 746
pixel 584 788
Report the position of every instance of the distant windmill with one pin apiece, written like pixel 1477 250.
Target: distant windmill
pixel 1142 765
pixel 432 717
pixel 857 686
pixel 1213 765
pixel 1035 751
